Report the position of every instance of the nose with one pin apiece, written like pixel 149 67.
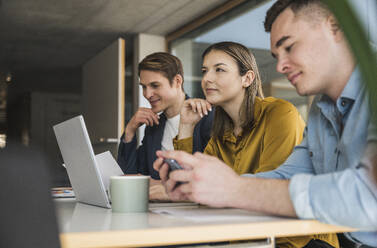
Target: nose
pixel 147 92
pixel 208 77
pixel 282 65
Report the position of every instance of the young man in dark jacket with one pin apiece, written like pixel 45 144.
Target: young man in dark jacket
pixel 161 77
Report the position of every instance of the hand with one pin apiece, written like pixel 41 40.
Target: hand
pixel 193 110
pixel 163 169
pixel 158 192
pixel 208 180
pixel 142 116
pixel 191 113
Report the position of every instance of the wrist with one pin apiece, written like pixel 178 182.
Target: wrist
pixel 129 134
pixel 185 130
pixel 236 195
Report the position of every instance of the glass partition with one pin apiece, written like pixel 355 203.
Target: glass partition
pixel 243 24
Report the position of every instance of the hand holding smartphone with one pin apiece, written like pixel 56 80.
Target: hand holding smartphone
pixel 173 165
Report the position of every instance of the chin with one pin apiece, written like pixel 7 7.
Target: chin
pixel 211 100
pixel 301 91
pixel 157 109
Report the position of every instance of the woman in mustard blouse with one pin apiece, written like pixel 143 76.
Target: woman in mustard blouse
pixel 250 133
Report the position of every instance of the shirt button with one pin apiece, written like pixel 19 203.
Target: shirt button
pixel 343 103
pixel 311 154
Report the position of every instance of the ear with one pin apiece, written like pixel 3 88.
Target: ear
pixel 334 27
pixel 178 81
pixel 248 78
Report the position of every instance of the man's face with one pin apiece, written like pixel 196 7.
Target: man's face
pixel 157 90
pixel 304 51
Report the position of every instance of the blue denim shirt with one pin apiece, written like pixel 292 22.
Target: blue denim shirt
pixel 328 182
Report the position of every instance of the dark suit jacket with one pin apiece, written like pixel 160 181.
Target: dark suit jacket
pixel 134 160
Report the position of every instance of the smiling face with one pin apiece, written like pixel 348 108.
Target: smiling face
pixel 221 83
pixel 306 52
pixel 157 90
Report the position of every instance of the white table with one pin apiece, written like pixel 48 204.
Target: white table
pixel 83 225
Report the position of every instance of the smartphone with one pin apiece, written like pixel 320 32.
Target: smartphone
pixel 173 164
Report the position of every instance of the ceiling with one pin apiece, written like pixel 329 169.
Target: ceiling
pixel 43 34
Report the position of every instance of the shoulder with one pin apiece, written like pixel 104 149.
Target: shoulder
pixel 275 106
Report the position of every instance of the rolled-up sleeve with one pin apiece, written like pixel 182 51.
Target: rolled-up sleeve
pixel 334 197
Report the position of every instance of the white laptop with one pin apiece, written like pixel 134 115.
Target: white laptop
pixel 89 174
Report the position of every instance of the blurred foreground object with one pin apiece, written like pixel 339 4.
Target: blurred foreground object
pixel 27 212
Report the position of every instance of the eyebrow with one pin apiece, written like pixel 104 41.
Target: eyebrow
pixel 218 64
pixel 281 41
pixel 154 82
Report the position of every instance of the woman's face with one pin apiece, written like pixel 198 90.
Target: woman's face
pixel 221 82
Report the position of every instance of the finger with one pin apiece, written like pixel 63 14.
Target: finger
pixel 176 195
pixel 142 119
pixel 164 172
pixel 192 106
pixel 158 163
pixel 181 175
pixel 170 185
pixel 189 197
pixel 155 118
pixel 199 109
pixel 203 157
pixel 186 160
pixel 150 120
pixel 204 107
pixel 209 106
pixel 185 188
pixel 152 116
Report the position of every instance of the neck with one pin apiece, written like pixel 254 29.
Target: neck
pixel 341 77
pixel 175 109
pixel 232 108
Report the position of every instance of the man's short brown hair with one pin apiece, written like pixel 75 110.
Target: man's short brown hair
pixel 313 8
pixel 165 63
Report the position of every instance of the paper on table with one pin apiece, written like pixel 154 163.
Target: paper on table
pixel 62 192
pixel 215 214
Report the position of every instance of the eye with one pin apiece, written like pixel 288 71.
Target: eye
pixel 289 48
pixel 204 71
pixel 218 69
pixel 154 86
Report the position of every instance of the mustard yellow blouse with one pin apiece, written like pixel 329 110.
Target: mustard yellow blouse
pixel 278 128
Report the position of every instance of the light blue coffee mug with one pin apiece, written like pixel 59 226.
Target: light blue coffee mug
pixel 129 194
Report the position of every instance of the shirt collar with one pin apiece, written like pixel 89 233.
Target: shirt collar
pixel 353 86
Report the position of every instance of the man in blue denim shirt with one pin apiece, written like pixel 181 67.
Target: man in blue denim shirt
pixel 328 176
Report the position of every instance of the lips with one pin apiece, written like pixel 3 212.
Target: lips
pixel 293 77
pixel 154 102
pixel 210 90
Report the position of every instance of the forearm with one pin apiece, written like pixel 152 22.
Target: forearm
pixel 129 134
pixel 263 195
pixel 185 130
